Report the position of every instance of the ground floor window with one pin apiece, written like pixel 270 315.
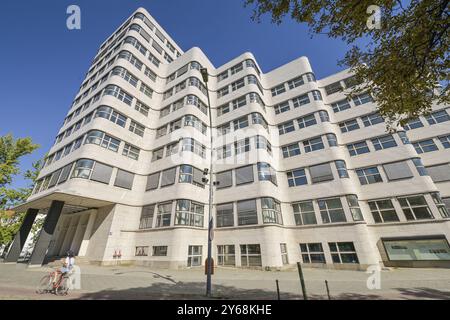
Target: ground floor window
pixel 194 256
pixel 160 251
pixel 141 251
pixel 417 249
pixel 312 253
pixel 250 255
pixel 226 255
pixel 284 253
pixel 343 252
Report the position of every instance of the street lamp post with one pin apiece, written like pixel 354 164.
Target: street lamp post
pixel 204 73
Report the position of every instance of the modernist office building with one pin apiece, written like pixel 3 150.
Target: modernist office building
pixel 303 172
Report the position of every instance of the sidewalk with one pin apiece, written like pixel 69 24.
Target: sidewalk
pixel 120 282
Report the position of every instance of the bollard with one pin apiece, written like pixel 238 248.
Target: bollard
pixel 328 290
pixel 278 289
pixel 302 281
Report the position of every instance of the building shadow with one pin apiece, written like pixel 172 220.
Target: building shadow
pixel 424 293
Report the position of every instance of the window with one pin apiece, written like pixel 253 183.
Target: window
pixel 427 249
pixel 83 169
pixel 420 167
pixel 103 140
pixel 141 251
pixel 157 154
pixel 224 215
pixel 402 135
pixel 263 143
pixel 168 176
pixel 146 221
pixel 341 168
pixel 284 254
pixel 312 253
pixel 306 121
pixel 224 179
pixel 189 213
pixel 355 210
pixel 244 175
pixel 291 150
pixel 324 117
pixel 331 210
pixel 237 68
pixel 250 255
pixel 313 144
pixel 137 128
pixel 131 151
pixel 320 173
pixel 123 73
pixel 152 181
pixel 278 90
pixel 439 173
pixel 142 108
pixel 189 144
pixel 437 117
pixel 193 121
pixel 296 177
pixel 310 77
pixel 362 99
pixel 300 100
pixel 222 130
pixel 427 145
pixel 271 211
pixel 119 94
pixel 146 90
pixel 340 105
pixel 246 212
pixel 163 215
pixel 445 140
pixel 369 175
pixel 349 125
pixel 286 127
pixel 226 255
pixel 194 256
pixel 383 211
pixel 317 96
pixel 222 92
pixel 240 123
pixel 397 170
pixel 239 102
pixel 124 179
pixel 372 119
pixel 282 107
pixel 159 251
pixel 304 213
pixel 358 148
pixel 223 109
pixel 332 140
pixel 224 152
pixel 415 208
pixel 294 83
pixel 161 131
pixel 222 76
pixel 237 84
pixel 65 173
pixel 242 146
pixel 413 124
pixel 186 174
pixel 101 173
pixel 266 173
pixel 440 204
pixel 384 142
pixel 111 115
pixel 343 252
pixel 333 88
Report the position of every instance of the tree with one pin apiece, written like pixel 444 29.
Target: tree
pixel 406 60
pixel 11 150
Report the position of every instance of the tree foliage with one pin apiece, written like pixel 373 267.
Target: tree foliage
pixel 405 64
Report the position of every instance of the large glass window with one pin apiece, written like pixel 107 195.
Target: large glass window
pixel 146 220
pixel 163 215
pixel 304 213
pixel 224 215
pixel 417 249
pixel 415 208
pixel 244 175
pixel 296 177
pixel 331 210
pixel 343 252
pixel 321 173
pixel 369 175
pixel 271 211
pixel 313 144
pixel 291 150
pixel 110 114
pixel 358 148
pixel 189 213
pixel 194 256
pixel 312 253
pixel 247 213
pixel 383 211
pixel 266 173
pixel 384 142
pixel 83 168
pixel 124 179
pixel 250 255
pixel 226 255
pixel 103 140
pixel 427 145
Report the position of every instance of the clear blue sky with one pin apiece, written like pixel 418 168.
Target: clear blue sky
pixel 43 63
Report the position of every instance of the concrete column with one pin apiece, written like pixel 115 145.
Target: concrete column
pixel 87 234
pixel 69 235
pixel 79 233
pixel 21 236
pixel 46 234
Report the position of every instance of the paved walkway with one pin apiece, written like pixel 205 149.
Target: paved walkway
pixel 120 282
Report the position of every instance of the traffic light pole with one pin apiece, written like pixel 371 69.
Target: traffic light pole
pixel 204 73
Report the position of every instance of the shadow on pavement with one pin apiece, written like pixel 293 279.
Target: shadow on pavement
pixel 424 293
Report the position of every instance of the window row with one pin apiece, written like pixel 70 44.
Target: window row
pixel 240 83
pixel 242 146
pixel 185 144
pixel 303 122
pixel 185 121
pixel 180 103
pixel 292 84
pixel 181 71
pixel 248 63
pixel 251 97
pixel 435 117
pixel 377 143
pixel 186 174
pixel 243 122
pixel 358 100
pixel 191 81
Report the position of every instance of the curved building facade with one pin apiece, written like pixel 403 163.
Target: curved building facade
pixel 302 172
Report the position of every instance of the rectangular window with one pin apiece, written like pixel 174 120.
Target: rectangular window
pixel 425 146
pixel 159 251
pixel 237 68
pixel 440 172
pixel 141 251
pixel 168 177
pixel 415 208
pixel 313 144
pixel 294 83
pixel 321 173
pixel 239 102
pixel 278 90
pixel 271 211
pixel 226 255
pixel 224 215
pixel 240 123
pixel 244 175
pixel 438 117
pixel 349 125
pixel 142 108
pixel 307 121
pixel 440 205
pixel 413 124
pixel 246 212
pixel 300 100
pixel 189 213
pixel 445 141
pixel 237 84
pixel 340 105
pixel 250 255
pixel 152 181
pixel 372 119
pixel 284 253
pixel 369 175
pixel 146 221
pixel 362 99
pixel 224 179
pixel 343 252
pixel 312 253
pixel 358 148
pixel 331 210
pixel 101 173
pixel 130 151
pixel 194 256
pixel 291 150
pixel 296 177
pixel 384 142
pixel 157 154
pixel 397 170
pixel 333 88
pixel 355 210
pixel 383 211
pixel 242 146
pixel 286 127
pixel 163 215
pixel 266 173
pixel 282 107
pixel 124 179
pixel 304 213
pixel 417 249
